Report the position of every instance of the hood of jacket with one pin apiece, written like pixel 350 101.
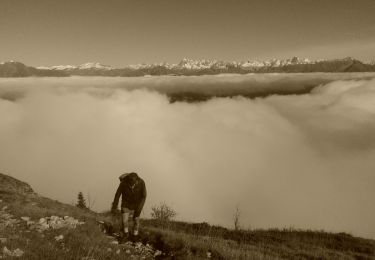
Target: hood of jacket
pixel 126 176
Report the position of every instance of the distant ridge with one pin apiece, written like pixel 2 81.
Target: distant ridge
pixel 13 69
pixel 189 67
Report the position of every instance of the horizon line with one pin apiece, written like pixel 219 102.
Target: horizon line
pixel 200 59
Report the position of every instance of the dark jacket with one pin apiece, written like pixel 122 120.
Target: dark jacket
pixel 132 197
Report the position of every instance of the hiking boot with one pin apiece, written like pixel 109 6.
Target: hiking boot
pixel 135 238
pixel 125 237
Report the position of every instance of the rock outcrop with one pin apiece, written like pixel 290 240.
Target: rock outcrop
pixel 9 184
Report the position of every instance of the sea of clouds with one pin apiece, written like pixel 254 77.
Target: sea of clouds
pixel 303 161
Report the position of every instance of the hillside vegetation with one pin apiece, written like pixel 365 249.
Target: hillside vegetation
pixel 34 227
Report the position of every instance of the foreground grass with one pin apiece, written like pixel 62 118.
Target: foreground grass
pixel 178 240
pixel 272 243
pixel 193 240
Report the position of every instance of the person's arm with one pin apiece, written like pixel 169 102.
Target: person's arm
pixel 117 198
pixel 142 202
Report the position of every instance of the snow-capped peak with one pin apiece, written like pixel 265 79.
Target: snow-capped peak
pixel 43 68
pixel 63 67
pixel 94 65
pixel 201 64
pixel 196 64
pixel 89 65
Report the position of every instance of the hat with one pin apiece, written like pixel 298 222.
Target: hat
pixel 129 174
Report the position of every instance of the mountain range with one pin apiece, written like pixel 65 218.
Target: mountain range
pixel 190 67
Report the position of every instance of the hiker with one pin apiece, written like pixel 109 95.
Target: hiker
pixel 133 191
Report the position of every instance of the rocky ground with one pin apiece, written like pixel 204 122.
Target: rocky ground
pixel 20 226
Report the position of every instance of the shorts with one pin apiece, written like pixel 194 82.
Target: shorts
pixel 134 213
pixel 127 210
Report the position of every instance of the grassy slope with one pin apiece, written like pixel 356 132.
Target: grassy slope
pixel 183 240
pixel 270 244
pixel 84 241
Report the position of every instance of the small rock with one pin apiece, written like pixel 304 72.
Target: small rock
pixel 3 240
pixel 208 254
pixel 138 245
pixel 18 252
pixel 30 222
pixel 58 238
pixel 1 201
pixel 6 251
pixel 27 219
pixel 109 249
pixel 158 252
pixel 114 242
pixel 127 251
pixel 4 208
pixel 118 251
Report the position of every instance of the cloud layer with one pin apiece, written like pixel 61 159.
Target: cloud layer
pixel 305 161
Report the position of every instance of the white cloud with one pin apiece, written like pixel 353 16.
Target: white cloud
pixel 305 161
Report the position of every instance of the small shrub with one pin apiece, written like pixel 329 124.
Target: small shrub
pixel 163 212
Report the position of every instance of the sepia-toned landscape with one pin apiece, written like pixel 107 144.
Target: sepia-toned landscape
pixel 259 145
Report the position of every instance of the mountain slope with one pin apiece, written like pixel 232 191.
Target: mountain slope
pixel 34 227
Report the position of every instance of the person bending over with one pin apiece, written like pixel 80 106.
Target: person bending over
pixel 133 191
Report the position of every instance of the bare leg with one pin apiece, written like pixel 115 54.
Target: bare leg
pixel 136 225
pixel 125 222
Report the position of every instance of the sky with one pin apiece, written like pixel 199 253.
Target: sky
pixel 302 161
pixel 121 32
